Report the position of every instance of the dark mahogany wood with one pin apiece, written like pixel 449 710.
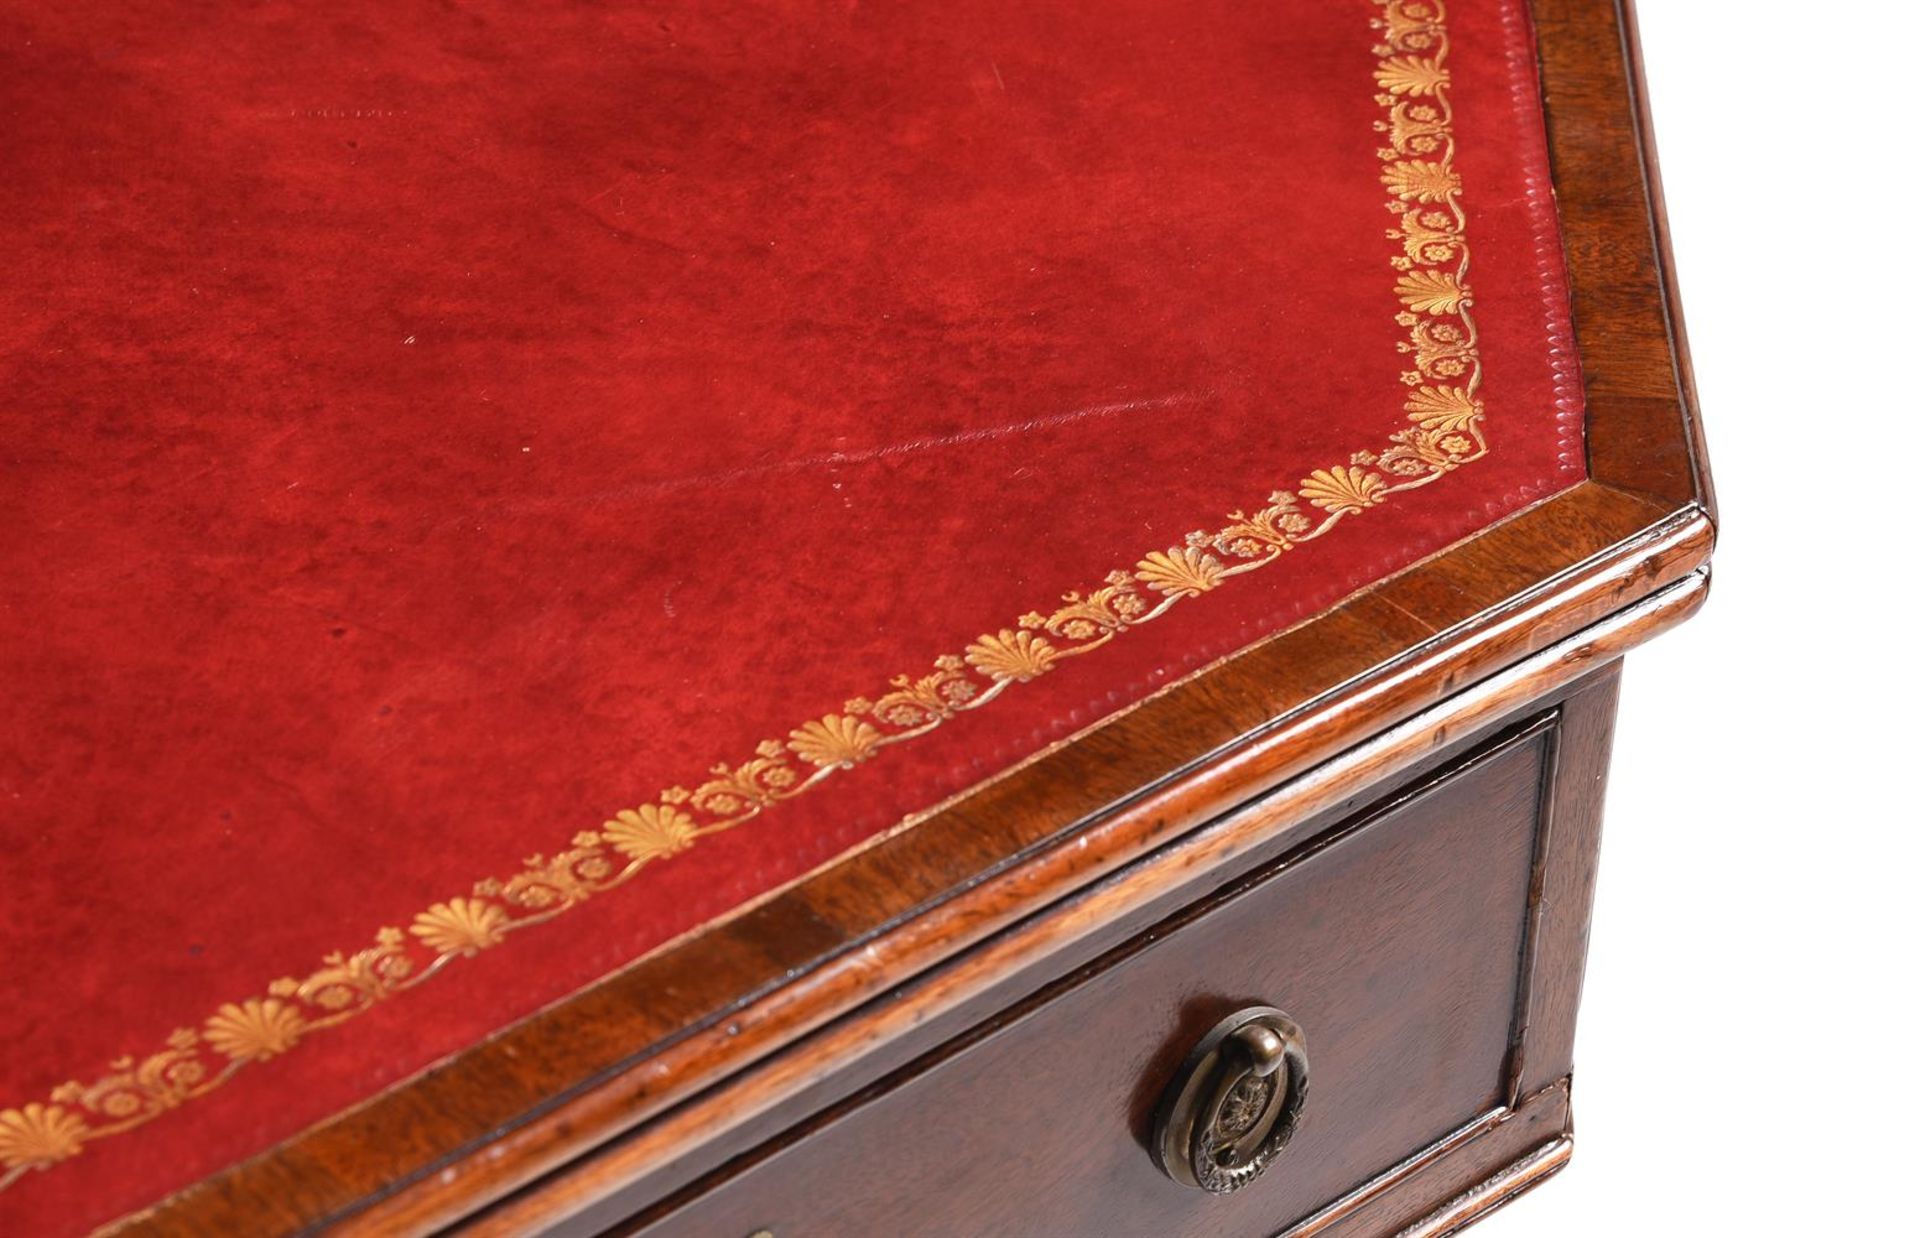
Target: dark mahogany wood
pixel 1224 854
pixel 1563 890
pixel 1472 1178
pixel 762 1003
pixel 1643 429
pixel 914 1018
pixel 1397 943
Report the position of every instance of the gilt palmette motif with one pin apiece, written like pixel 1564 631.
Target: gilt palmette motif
pixel 1442 431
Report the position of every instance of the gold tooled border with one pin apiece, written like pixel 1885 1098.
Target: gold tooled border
pixel 1446 431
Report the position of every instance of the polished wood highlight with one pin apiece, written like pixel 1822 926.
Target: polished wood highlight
pixel 1504 1187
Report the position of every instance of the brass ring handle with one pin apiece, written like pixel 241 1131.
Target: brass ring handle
pixel 1235 1102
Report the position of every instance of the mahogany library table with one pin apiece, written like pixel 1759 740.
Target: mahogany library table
pixel 817 618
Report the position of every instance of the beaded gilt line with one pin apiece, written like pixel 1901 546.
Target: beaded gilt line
pixel 1444 431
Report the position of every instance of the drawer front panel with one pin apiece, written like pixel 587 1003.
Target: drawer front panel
pixel 1397 944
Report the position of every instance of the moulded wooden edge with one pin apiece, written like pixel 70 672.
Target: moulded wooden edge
pixel 1568 694
pixel 1626 310
pixel 682 1019
pixel 589 1068
pixel 752 1095
pixel 1489 1160
pixel 1496 1192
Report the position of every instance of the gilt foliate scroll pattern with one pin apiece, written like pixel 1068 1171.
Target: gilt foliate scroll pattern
pixel 1417 156
pixel 1444 430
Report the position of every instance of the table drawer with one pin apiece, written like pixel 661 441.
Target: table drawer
pixel 1397 943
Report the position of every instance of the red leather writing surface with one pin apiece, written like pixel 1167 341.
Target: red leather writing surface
pixel 437 437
